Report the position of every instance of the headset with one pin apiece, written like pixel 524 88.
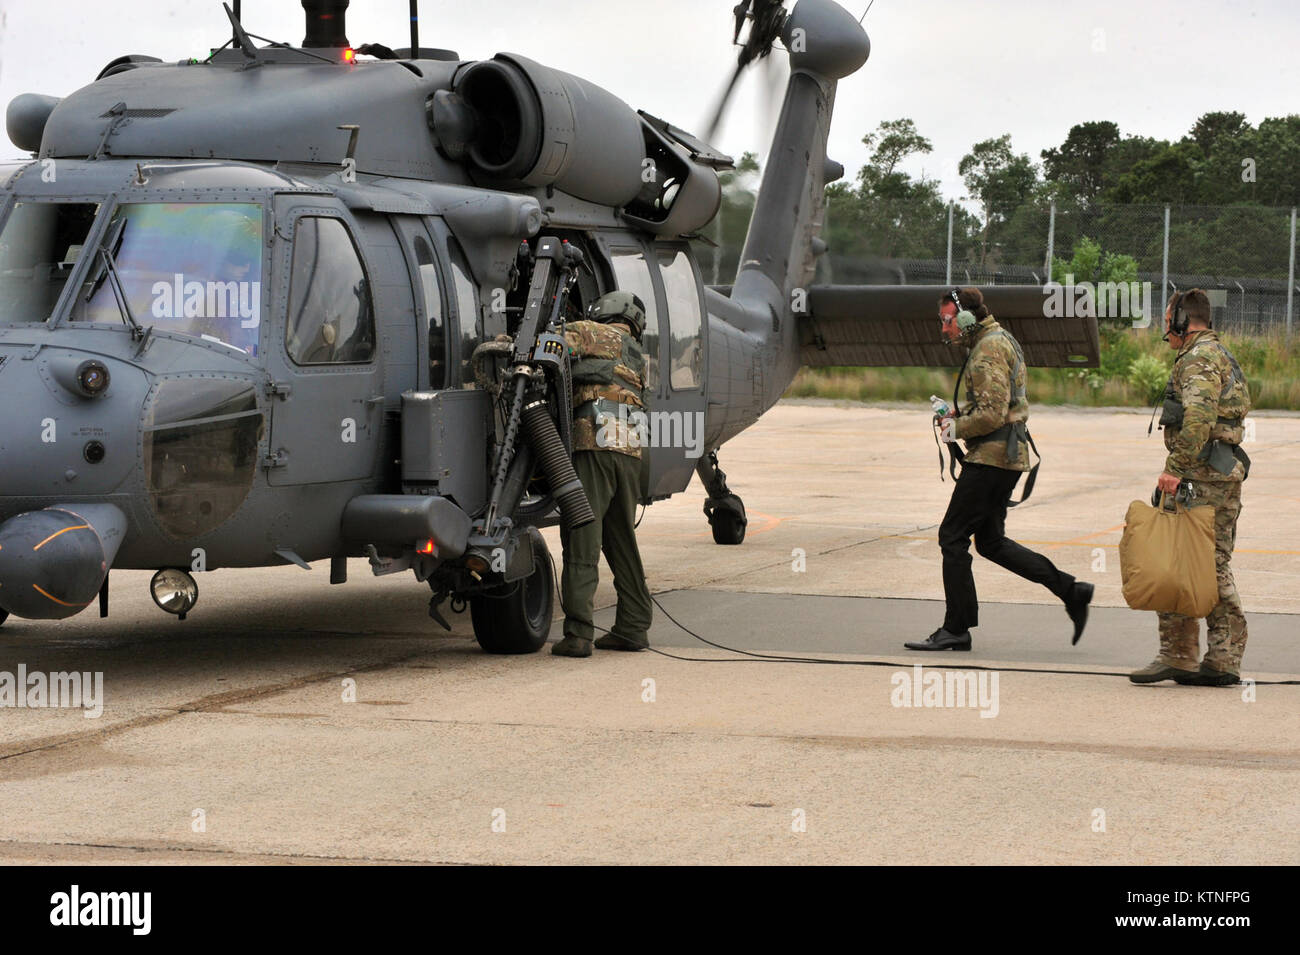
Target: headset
pixel 966 319
pixel 1176 327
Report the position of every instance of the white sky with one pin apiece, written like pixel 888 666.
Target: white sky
pixel 964 71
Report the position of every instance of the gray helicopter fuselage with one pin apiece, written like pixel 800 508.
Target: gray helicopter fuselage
pixel 322 434
pixel 272 259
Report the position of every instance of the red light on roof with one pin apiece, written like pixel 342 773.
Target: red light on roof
pixel 349 55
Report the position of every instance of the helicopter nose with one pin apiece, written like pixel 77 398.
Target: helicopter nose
pixel 53 562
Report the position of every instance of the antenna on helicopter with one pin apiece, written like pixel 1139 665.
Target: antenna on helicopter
pixel 415 28
pixel 246 45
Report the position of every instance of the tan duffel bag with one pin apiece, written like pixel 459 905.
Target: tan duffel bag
pixel 1166 558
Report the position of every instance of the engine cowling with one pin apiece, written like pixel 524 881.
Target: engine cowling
pixel 515 122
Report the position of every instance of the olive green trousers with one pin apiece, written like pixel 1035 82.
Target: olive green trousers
pixel 612 482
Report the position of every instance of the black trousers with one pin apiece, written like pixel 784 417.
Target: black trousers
pixel 979 507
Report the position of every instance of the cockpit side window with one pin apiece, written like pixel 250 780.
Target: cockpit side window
pixel 429 286
pixel 40 245
pixel 685 319
pixel 632 272
pixel 467 308
pixel 331 318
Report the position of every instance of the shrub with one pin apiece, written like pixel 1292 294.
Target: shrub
pixel 1148 376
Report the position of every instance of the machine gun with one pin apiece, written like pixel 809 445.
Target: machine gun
pixel 538 386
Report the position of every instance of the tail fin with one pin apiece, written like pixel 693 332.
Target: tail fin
pixel 826 44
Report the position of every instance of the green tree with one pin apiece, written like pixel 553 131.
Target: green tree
pixel 1000 180
pixel 894 141
pixel 888 213
pixel 1211 127
pixel 1088 263
pixel 1169 175
pixel 719 255
pixel 1080 163
pixel 1278 162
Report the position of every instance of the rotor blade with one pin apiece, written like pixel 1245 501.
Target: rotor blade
pixel 769 106
pixel 712 129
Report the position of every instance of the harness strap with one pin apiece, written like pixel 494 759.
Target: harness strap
pixel 1033 472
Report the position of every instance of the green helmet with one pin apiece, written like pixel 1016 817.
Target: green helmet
pixel 619 307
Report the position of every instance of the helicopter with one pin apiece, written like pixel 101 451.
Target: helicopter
pixel 290 304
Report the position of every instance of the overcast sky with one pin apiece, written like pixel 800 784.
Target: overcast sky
pixel 964 71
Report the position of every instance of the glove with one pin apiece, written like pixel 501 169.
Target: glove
pixel 948 430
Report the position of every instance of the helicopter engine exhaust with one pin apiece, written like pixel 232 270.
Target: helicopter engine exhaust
pixel 544 438
pixel 326 24
pixel 53 562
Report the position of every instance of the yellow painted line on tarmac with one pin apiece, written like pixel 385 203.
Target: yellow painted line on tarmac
pixel 1078 543
pixel 770 523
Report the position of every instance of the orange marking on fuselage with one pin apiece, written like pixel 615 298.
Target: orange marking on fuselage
pixel 79 527
pixel 56 599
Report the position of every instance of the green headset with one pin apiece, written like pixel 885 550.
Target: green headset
pixel 966 319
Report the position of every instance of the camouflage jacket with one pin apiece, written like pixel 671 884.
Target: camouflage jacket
pixel 995 396
pixel 1212 395
pixel 608 388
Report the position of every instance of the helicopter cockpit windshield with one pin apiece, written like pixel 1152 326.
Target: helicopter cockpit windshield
pixel 188 268
pixel 40 245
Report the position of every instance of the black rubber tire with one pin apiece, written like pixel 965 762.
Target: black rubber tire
pixel 728 528
pixel 728 520
pixel 4 615
pixel 518 619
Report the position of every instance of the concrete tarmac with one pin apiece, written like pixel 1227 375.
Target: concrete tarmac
pixel 290 722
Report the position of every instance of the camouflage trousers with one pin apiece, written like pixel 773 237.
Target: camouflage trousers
pixel 1225 640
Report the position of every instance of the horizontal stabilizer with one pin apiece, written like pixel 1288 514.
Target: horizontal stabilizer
pixel 898 326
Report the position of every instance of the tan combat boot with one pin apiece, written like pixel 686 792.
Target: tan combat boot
pixel 1158 670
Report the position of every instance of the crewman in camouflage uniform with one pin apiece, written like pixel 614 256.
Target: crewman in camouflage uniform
pixel 1205 407
pixel 608 432
pixel 993 426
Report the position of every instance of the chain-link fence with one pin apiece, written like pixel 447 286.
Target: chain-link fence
pixel 1243 256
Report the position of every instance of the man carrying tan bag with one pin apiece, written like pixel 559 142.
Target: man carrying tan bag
pixel 1166 558
pixel 1204 423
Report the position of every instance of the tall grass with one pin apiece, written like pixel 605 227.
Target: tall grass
pixel 1135 364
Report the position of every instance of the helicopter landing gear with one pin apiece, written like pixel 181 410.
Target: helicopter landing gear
pixel 725 511
pixel 516 617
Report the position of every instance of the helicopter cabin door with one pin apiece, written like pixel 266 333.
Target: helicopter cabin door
pixel 665 276
pixel 327 405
